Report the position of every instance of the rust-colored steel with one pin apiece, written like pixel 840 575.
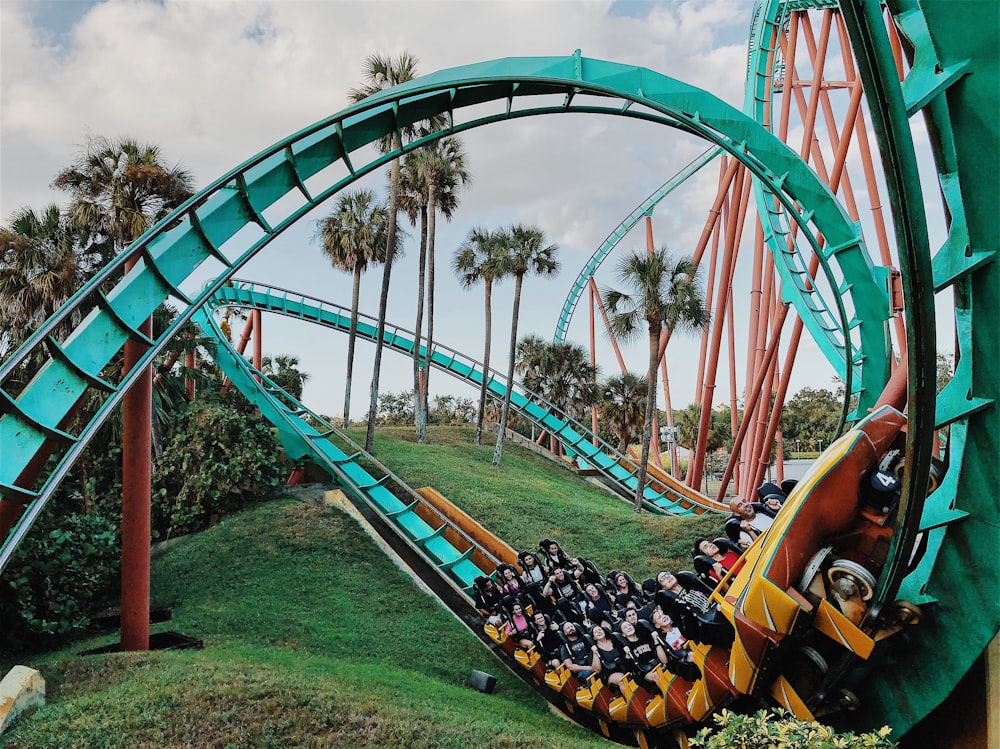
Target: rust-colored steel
pixel 607 326
pixel 779 398
pixel 137 472
pixel 753 395
pixel 697 461
pixel 258 342
pixel 189 363
pixel 654 440
pixel 241 346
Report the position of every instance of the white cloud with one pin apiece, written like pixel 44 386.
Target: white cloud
pixel 213 83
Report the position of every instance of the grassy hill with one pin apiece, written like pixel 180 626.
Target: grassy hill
pixel 313 638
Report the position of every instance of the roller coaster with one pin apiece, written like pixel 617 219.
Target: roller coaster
pixel 881 553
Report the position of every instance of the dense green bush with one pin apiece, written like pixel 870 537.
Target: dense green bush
pixel 217 460
pixel 780 730
pixel 63 571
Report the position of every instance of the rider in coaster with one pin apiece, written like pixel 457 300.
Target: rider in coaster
pixel 552 555
pixel 576 653
pixel 609 656
pixel 519 627
pixel 645 650
pixel 547 639
pixel 566 592
pixel 721 561
pixel 748 520
pixel 597 607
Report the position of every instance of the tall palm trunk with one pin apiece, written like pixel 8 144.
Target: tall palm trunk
pixel 419 420
pixel 384 298
pixel 431 228
pixel 498 452
pixel 647 423
pixel 486 361
pixel 351 341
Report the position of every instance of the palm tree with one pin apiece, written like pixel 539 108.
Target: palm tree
pixel 382 72
pixel 528 362
pixel 442 165
pixel 40 268
pixel 623 400
pixel 666 295
pixel 283 371
pixel 561 373
pixel 413 202
pixel 477 259
pixel 524 252
pixel 354 236
pixel 120 188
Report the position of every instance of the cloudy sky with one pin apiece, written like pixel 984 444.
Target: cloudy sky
pixel 213 83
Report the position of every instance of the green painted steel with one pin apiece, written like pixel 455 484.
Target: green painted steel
pixel 305 434
pixel 674 498
pixel 953 82
pixel 239 214
pixel 645 208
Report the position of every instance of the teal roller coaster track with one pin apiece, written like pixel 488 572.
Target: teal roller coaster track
pixel 941 555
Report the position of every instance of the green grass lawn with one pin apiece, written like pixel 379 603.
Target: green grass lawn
pixel 313 638
pixel 529 498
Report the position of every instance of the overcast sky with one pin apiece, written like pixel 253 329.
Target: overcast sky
pixel 212 83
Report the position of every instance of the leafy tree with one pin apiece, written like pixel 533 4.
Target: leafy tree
pixel 720 431
pixel 945 370
pixel 413 202
pixel 381 72
pixel 811 416
pixel 479 258
pixel 451 410
pixel 395 408
pixel 66 569
pixel 623 401
pixel 523 251
pixel 354 236
pixel 663 295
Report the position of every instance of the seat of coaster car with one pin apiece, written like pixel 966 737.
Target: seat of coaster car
pixel 826 504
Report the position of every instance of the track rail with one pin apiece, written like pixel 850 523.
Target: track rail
pixel 665 496
pixel 239 214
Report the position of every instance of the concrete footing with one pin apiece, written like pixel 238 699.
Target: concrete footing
pixel 21 688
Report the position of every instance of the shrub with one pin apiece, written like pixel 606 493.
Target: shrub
pixel 780 730
pixel 61 573
pixel 217 461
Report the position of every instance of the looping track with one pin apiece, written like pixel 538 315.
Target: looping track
pixel 952 79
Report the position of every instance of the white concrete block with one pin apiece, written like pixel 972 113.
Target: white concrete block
pixel 21 688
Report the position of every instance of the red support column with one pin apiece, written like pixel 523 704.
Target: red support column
pixel 258 342
pixel 297 476
pixel 136 477
pixel 708 386
pixel 240 347
pixel 607 326
pixel 189 363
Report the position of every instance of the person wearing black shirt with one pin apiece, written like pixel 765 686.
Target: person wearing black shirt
pixel 576 653
pixel 547 639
